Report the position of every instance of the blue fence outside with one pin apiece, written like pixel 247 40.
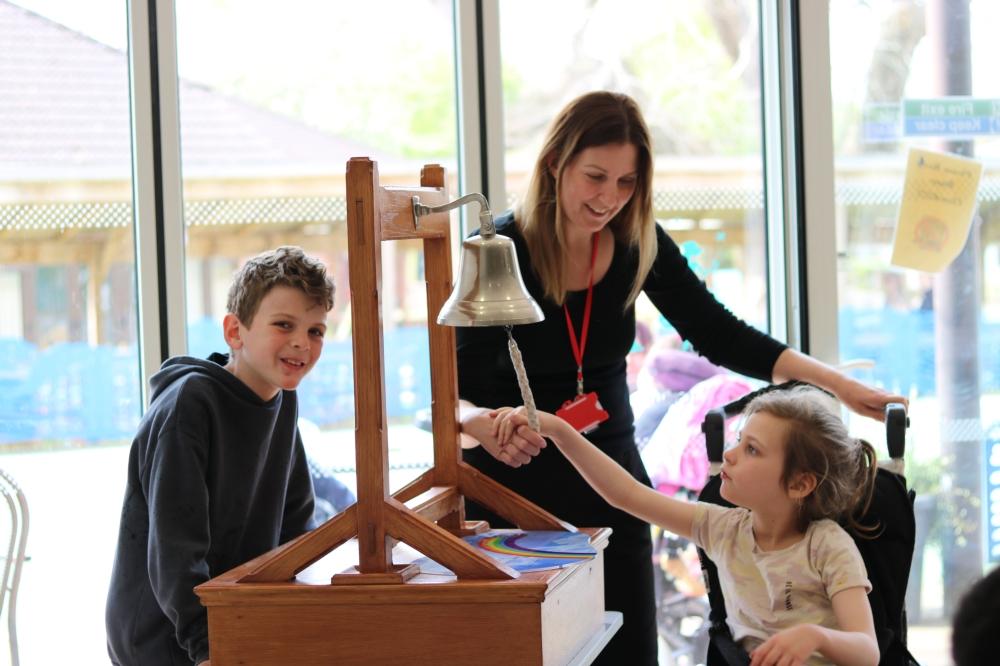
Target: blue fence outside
pixel 326 395
pixel 902 345
pixel 85 394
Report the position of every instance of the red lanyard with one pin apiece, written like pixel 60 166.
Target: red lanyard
pixel 578 348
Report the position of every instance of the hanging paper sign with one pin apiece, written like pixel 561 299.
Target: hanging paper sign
pixel 935 213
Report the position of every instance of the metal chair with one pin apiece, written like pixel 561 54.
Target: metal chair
pixel 14 557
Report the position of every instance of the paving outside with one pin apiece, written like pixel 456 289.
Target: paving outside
pixel 75 498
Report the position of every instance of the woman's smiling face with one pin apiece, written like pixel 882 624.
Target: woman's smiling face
pixel 597 184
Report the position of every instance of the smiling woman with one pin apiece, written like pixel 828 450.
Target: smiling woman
pixel 596 185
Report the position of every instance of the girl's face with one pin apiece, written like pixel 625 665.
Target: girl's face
pixel 752 468
pixel 596 184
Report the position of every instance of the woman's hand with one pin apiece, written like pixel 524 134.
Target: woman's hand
pixel 509 422
pixel 866 400
pixel 519 448
pixel 861 398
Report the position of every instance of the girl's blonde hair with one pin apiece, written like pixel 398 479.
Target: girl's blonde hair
pixel 594 119
pixel 818 443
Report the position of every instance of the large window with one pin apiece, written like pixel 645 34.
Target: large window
pixel 694 69
pixel 266 134
pixel 69 359
pixel 933 336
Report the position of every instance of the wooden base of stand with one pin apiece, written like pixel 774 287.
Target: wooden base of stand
pixel 471 527
pixel 399 574
pixel 546 617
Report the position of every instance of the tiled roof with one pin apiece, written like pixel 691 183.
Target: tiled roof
pixel 64 114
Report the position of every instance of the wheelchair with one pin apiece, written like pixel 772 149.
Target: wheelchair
pixel 887 556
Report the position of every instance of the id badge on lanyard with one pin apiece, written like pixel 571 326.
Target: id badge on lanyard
pixel 584 412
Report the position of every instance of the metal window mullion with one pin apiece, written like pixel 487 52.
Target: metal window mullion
pixel 818 258
pixel 799 189
pixel 496 140
pixel 156 184
pixel 779 194
pixel 480 101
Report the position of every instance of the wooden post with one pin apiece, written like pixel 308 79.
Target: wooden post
pixel 364 238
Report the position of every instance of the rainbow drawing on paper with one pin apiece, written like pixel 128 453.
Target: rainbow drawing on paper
pixel 510 544
pixel 525 550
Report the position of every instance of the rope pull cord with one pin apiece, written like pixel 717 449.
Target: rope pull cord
pixel 522 380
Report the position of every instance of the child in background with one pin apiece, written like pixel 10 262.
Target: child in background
pixel 794 582
pixel 217 474
pixel 977 622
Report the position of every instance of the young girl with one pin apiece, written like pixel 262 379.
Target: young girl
pixel 793 579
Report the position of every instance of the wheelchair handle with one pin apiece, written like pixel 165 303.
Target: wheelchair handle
pixel 896 423
pixel 714 427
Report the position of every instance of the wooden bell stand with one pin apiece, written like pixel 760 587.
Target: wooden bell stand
pixel 379 612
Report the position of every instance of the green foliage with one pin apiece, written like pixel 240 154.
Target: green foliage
pixel 923 476
pixel 696 103
pixel 954 512
pixel 513 86
pixel 380 74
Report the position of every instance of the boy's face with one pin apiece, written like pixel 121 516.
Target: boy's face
pixel 281 345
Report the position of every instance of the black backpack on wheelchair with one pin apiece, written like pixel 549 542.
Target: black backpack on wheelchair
pixel 887 556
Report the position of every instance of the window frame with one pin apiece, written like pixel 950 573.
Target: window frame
pixel 158 221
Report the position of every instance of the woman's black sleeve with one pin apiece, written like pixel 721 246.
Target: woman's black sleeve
pixel 701 319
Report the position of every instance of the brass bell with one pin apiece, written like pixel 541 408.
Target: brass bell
pixel 490 291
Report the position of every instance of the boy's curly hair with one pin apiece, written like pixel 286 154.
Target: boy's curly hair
pixel 286 266
pixel 818 442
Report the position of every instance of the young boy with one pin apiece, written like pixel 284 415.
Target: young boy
pixel 217 474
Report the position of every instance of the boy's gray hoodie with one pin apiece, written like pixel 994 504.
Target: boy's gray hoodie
pixel 216 477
